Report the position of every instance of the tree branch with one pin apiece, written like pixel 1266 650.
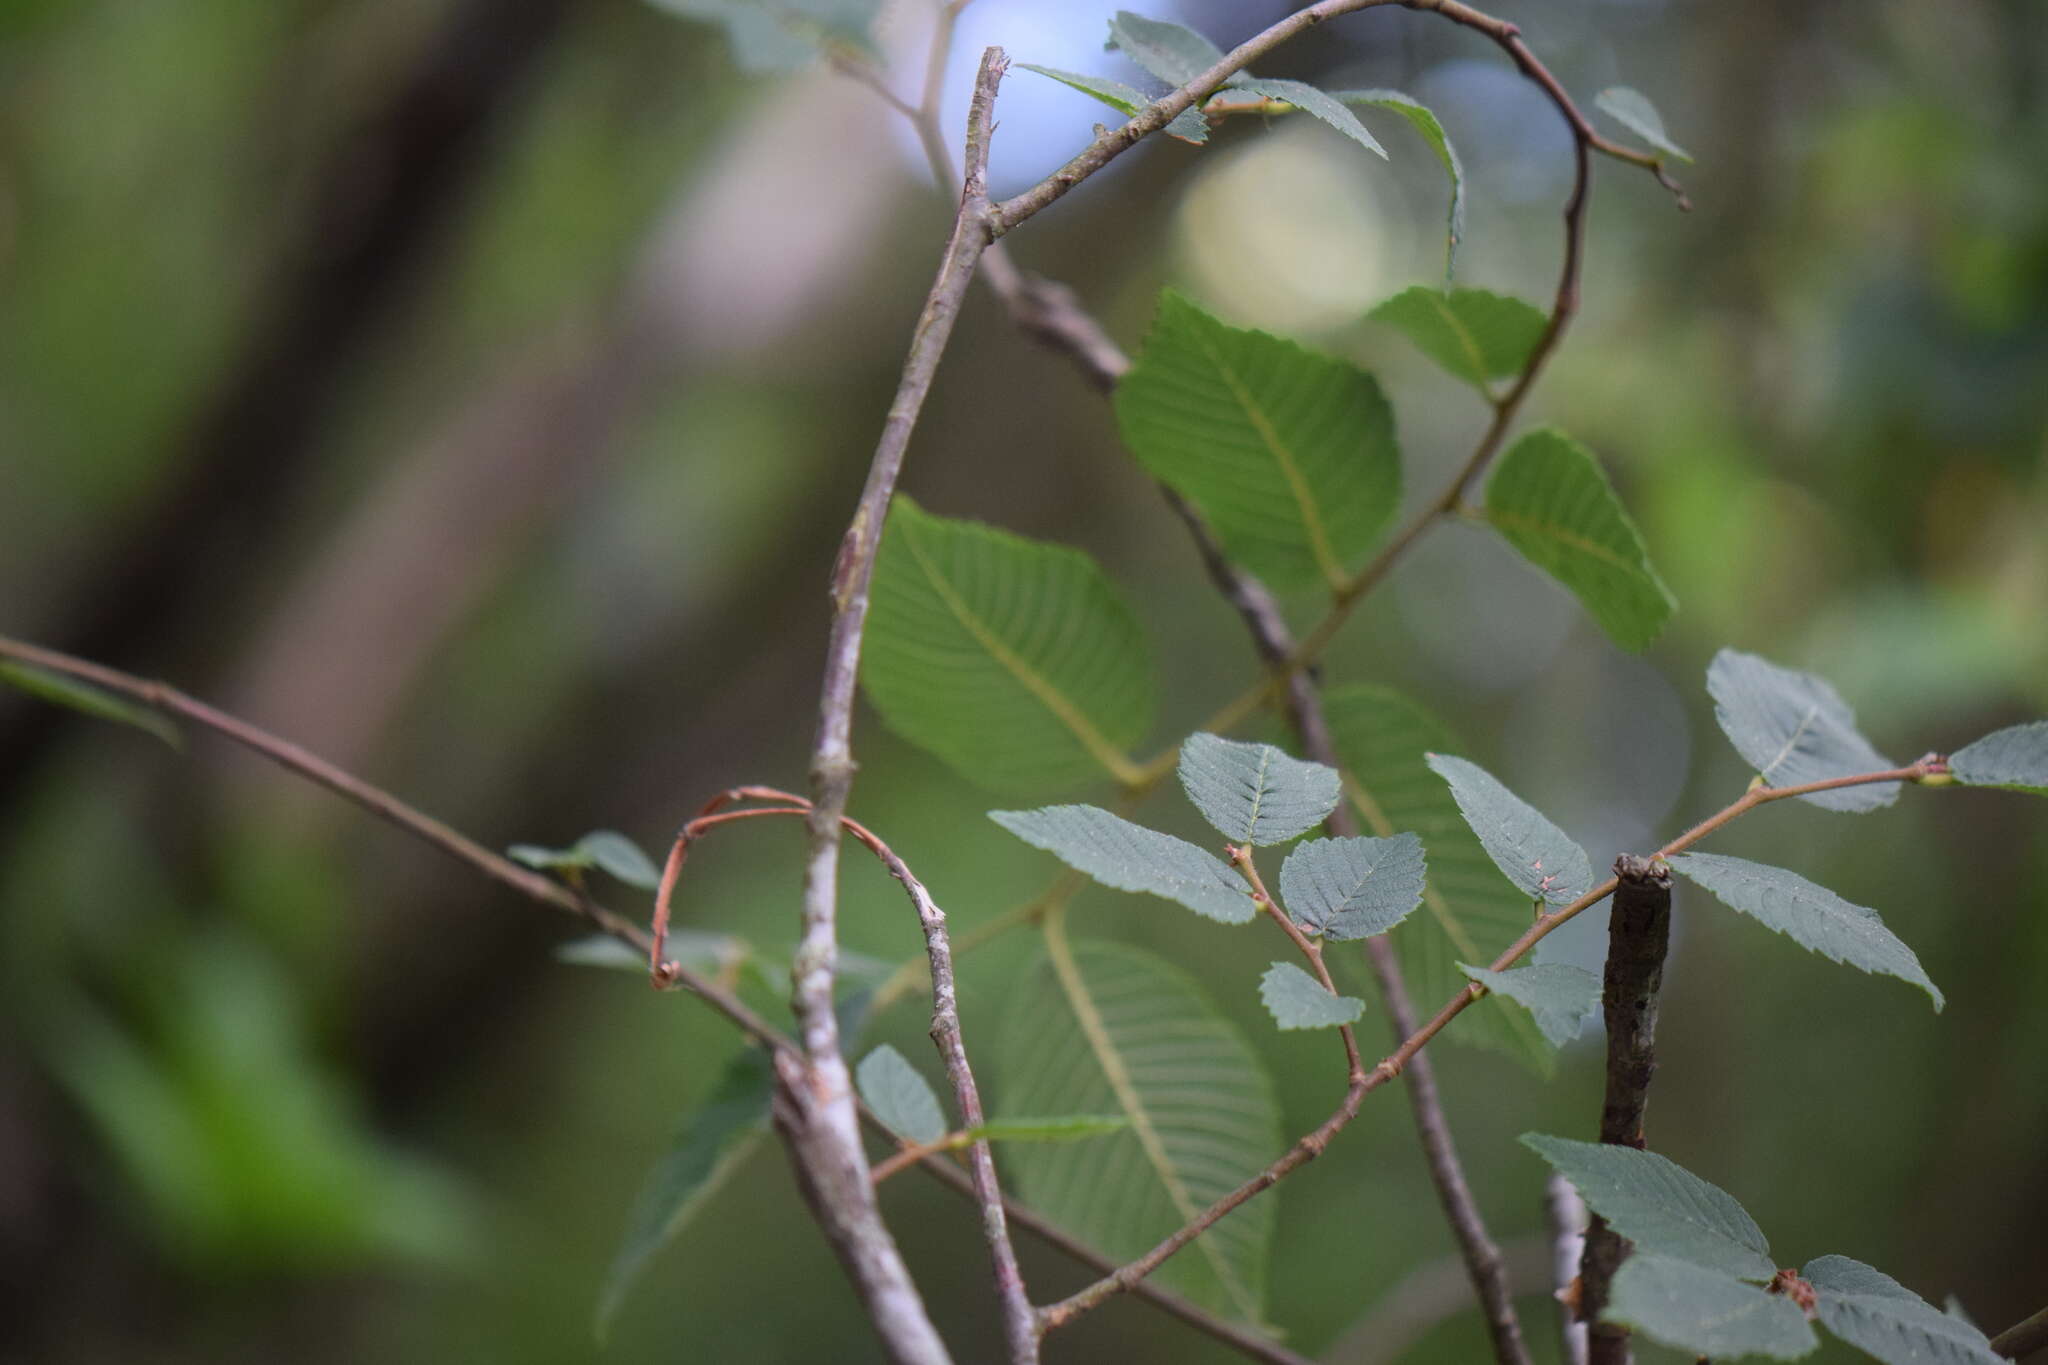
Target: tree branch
pixel 820 1117
pixel 2022 1339
pixel 1638 933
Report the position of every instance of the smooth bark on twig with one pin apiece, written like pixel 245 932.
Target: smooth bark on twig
pixel 1638 934
pixel 2022 1339
pixel 816 1111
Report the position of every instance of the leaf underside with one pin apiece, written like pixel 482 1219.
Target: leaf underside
pixel 1100 1028
pixel 1426 124
pixel 1130 857
pixel 1632 110
pixel 1704 1312
pixel 1559 997
pixel 1255 793
pixel 1538 857
pixel 1663 1208
pixel 1793 728
pixel 900 1095
pixel 1874 1312
pixel 1297 1000
pixel 1353 888
pixel 2015 757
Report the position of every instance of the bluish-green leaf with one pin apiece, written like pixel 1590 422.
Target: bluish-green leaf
pixel 1297 1000
pixel 1810 915
pixel 1063 1128
pixel 1468 914
pixel 1131 857
pixel 1474 334
pixel 711 1141
pixel 2013 757
pixel 1254 793
pixel 1793 729
pixel 1172 52
pixel 1289 455
pixel 59 690
pixel 1632 110
pixel 1559 997
pixel 1353 888
pixel 1188 125
pixel 1549 499
pixel 900 1096
pixel 781 35
pixel 1098 1028
pixel 1316 104
pixel 1531 852
pixel 1704 1312
pixel 1874 1312
pixel 1663 1208
pixel 605 849
pixel 1014 661
pixel 1425 122
pixel 697 949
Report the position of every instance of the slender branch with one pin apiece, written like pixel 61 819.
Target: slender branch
pixel 1638 934
pixel 1401 1057
pixel 820 1118
pixel 2022 1339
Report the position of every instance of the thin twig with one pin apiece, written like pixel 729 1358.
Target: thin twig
pixel 820 1118
pixel 2022 1339
pixel 1638 934
pixel 1401 1057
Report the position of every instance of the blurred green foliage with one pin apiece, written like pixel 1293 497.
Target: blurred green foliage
pixel 280 1083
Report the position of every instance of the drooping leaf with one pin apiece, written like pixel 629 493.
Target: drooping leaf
pixel 605 849
pixel 1663 1208
pixel 2013 757
pixel 1531 852
pixel 1474 334
pixel 1549 499
pixel 1425 122
pixel 1810 915
pixel 1131 857
pixel 1254 793
pixel 1317 104
pixel 712 1139
pixel 1100 1028
pixel 1468 914
pixel 59 690
pixel 1188 125
pixel 1559 997
pixel 781 35
pixel 1353 888
pixel 1794 729
pixel 900 1095
pixel 1173 53
pixel 1874 1312
pixel 1014 661
pixel 1632 110
pixel 1704 1312
pixel 1297 1000
pixel 1290 455
pixel 1063 1128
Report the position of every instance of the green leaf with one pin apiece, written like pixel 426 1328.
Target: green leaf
pixel 1290 455
pixel 1014 661
pixel 1810 915
pixel 1254 793
pixel 781 35
pixel 1632 110
pixel 1188 125
pixel 1425 122
pixel 1382 739
pixel 1174 54
pixel 69 692
pixel 711 1141
pixel 1066 1128
pixel 1100 1028
pixel 1663 1208
pixel 1297 1000
pixel 697 949
pixel 1794 729
pixel 1130 857
pixel 1474 334
pixel 900 1096
pixel 1560 998
pixel 1549 499
pixel 1531 852
pixel 1870 1310
pixel 1704 1312
pixel 2014 757
pixel 1317 104
pixel 605 849
pixel 1353 888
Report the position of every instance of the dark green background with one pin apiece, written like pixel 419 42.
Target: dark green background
pixel 511 479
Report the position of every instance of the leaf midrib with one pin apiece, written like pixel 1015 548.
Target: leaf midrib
pixel 1113 760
